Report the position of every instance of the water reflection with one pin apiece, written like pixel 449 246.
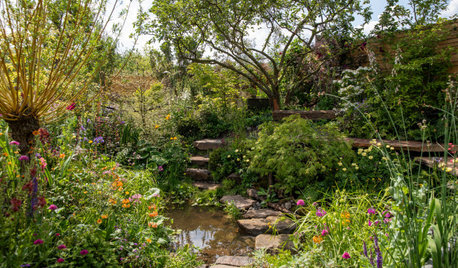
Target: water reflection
pixel 210 230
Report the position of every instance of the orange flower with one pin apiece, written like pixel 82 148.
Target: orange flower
pixel 317 239
pixel 153 214
pixel 112 201
pixel 99 221
pixel 152 225
pixel 167 117
pixel 61 156
pixel 126 206
pixel 125 201
pixel 5 154
pixel 156 126
pixel 152 207
pixel 36 132
pixel 104 216
pixel 148 240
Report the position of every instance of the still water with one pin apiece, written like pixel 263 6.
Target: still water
pixel 209 230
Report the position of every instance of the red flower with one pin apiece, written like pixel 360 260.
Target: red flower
pixel 60 260
pixel 38 242
pixel 41 201
pixel 15 204
pixel 84 252
pixel 71 106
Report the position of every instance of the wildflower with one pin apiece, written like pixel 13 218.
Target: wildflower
pixel 346 255
pixel 36 133
pixel 98 140
pixel 135 198
pixel 388 215
pixel 160 168
pixel 317 239
pixel 344 169
pixel 345 215
pixel 365 249
pixel 152 207
pixel 43 163
pixel 60 260
pixel 148 240
pixel 324 232
pixel 173 138
pixel 62 156
pixel 14 143
pixel 84 252
pixel 25 265
pixel 320 212
pixel 99 221
pixel 62 246
pixel 369 223
pixel 38 242
pixel 52 207
pixel 300 202
pixel 104 216
pixel 57 234
pixel 167 117
pixel 15 204
pixel 371 211
pixel 156 126
pixel 371 157
pixel 152 225
pixel 23 158
pixel 153 214
pixel 71 106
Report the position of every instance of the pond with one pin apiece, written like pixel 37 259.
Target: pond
pixel 211 231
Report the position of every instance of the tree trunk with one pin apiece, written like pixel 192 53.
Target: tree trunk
pixel 22 132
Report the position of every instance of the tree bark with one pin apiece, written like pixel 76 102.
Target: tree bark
pixel 22 131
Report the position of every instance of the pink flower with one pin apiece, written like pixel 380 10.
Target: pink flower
pixel 60 260
pixel 38 242
pixel 43 163
pixel 346 255
pixel 71 106
pixel 300 202
pixel 57 234
pixel 23 158
pixel 62 246
pixel 52 207
pixel 84 252
pixel 14 143
pixel 320 212
pixel 324 232
pixel 160 168
pixel 369 223
pixel 371 211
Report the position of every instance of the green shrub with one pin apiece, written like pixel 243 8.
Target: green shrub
pixel 297 153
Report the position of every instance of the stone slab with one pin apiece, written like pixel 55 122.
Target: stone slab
pixel 199 160
pixel 198 174
pixel 209 144
pixel 206 185
pixel 268 225
pixel 260 213
pixel 239 201
pixel 234 260
pixel 273 242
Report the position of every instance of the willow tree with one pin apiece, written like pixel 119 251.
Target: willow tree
pixel 218 32
pixel 45 47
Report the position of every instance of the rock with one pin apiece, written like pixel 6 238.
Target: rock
pixel 222 266
pixel 198 174
pixel 206 185
pixel 260 213
pixel 234 260
pixel 273 242
pixel 288 205
pixel 252 193
pixel 209 144
pixel 199 160
pixel 260 226
pixel 239 201
pixel 234 176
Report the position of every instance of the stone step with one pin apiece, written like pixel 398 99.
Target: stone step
pixel 273 243
pixel 198 174
pixel 206 185
pixel 200 160
pixel 233 261
pixel 209 144
pixel 267 226
pixel 239 201
pixel 260 213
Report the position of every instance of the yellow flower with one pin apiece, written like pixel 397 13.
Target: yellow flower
pixel 90 141
pixel 340 163
pixel 364 154
pixel 344 169
pixel 317 239
pixel 167 117
pixel 345 215
pixel 99 221
pixel 1 133
pixel 104 216
pixel 156 126
pixel 127 192
pixel 449 169
pixel 371 157
pixel 173 138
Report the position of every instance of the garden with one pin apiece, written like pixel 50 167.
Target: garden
pixel 244 134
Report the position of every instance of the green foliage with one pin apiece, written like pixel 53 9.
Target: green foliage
pixel 224 162
pixel 298 153
pixel 232 211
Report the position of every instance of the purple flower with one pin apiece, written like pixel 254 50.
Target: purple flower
pixel 369 223
pixel 14 143
pixel 62 246
pixel 365 249
pixel 388 215
pixel 300 202
pixel 60 260
pixel 23 158
pixel 122 122
pixel 371 211
pixel 38 242
pixel 320 212
pixel 84 252
pixel 160 168
pixel 52 207
pixel 25 265
pixel 315 204
pixel 324 232
pixel 38 155
pixel 378 253
pixel 98 140
pixel 346 255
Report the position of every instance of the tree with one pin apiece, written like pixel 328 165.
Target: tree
pixel 45 45
pixel 217 32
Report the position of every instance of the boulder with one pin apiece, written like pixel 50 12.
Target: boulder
pixel 239 201
pixel 237 261
pixel 259 226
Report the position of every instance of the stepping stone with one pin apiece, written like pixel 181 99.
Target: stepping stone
pixel 199 160
pixel 262 226
pixel 222 266
pixel 260 213
pixel 206 185
pixel 209 144
pixel 239 201
pixel 236 261
pixel 273 242
pixel 198 174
